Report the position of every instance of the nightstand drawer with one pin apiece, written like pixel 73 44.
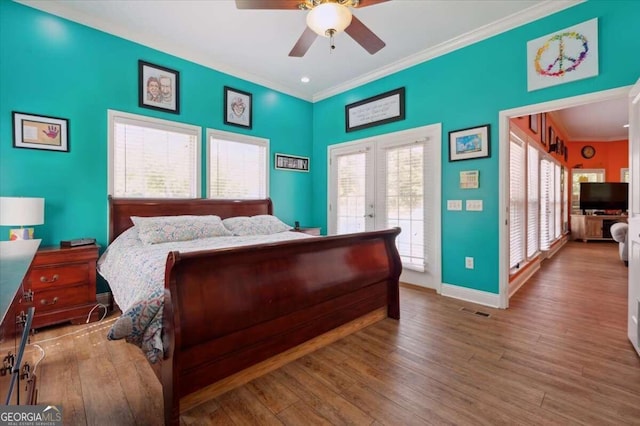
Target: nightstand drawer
pixel 56 276
pixel 59 298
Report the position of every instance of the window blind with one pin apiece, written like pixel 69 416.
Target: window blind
pixel 546 201
pixel 237 168
pixel 351 192
pixel 517 186
pixel 405 199
pixel 533 201
pixel 557 185
pixel 153 158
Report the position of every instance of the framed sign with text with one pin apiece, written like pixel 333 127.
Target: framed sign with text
pixel 381 109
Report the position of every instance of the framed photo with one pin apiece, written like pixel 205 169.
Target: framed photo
pixel 381 109
pixel 533 123
pixel 158 88
pixel 291 162
pixel 566 153
pixel 237 108
pixel 466 144
pixel 552 140
pixel 40 132
pixel 543 127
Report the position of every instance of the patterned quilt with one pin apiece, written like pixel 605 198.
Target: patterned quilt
pixel 135 273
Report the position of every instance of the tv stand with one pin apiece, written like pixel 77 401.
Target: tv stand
pixel 593 227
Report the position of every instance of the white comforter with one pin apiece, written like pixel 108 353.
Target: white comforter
pixel 135 273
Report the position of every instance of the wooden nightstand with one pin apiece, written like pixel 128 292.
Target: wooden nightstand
pixel 310 230
pixel 63 281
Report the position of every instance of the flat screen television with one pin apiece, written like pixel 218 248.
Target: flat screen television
pixel 604 196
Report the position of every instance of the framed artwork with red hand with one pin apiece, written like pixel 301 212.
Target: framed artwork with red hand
pixel 40 132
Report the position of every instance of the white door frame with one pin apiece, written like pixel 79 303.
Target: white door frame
pixel 432 277
pixel 503 176
pixel 633 233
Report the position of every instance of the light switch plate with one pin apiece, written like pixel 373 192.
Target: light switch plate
pixel 474 205
pixel 454 204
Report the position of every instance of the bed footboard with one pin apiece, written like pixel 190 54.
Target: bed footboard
pixel 226 310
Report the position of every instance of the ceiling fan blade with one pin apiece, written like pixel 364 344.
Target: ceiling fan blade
pixel 267 4
pixel 304 43
pixel 364 36
pixel 365 3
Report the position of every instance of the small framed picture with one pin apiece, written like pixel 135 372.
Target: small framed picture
pixel 543 128
pixel 533 123
pixel 466 144
pixel 158 88
pixel 237 108
pixel 40 132
pixel 552 140
pixel 291 162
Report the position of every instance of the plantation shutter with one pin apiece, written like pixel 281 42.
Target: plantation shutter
pixel 517 187
pixel 557 184
pixel 237 169
pixel 533 202
pixel 546 200
pixel 153 159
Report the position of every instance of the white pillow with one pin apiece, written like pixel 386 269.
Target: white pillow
pixel 256 225
pixel 162 229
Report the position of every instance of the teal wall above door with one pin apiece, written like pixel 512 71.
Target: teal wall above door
pixel 467 88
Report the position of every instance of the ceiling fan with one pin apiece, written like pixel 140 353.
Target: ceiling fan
pixel 325 18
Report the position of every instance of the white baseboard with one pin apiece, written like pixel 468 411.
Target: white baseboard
pixel 515 285
pixel 471 295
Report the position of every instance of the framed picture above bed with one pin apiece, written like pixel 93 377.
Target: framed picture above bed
pixel 158 88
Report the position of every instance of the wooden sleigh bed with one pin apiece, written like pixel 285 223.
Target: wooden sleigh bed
pixel 233 314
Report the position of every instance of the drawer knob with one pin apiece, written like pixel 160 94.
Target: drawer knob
pixel 44 301
pixel 53 279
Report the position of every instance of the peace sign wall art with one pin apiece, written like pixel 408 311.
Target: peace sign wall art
pixel 567 55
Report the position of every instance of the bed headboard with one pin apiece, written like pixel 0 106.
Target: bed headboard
pixel 121 209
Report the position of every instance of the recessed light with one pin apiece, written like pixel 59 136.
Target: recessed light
pixel 625 126
pixel 305 79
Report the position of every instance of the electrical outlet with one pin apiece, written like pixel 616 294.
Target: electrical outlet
pixel 474 205
pixel 468 262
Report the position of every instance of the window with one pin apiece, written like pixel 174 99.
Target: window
pixel 517 195
pixel 533 201
pixel 624 175
pixel 238 166
pixel 404 200
pixel 152 158
pixel 582 175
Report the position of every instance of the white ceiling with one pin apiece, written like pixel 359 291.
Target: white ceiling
pixel 599 121
pixel 254 44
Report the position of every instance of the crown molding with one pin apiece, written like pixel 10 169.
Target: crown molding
pixel 162 45
pixel 533 13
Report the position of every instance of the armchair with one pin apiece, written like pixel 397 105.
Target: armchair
pixel 619 234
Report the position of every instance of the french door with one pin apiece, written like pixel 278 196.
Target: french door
pixel 386 181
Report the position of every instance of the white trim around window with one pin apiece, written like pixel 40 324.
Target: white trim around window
pixel 150 157
pixel 245 162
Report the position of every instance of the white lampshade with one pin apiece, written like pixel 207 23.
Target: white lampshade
pixel 328 16
pixel 21 211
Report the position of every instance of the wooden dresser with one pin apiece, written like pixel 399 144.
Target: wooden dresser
pixel 63 281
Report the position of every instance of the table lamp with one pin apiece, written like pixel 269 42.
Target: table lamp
pixel 21 211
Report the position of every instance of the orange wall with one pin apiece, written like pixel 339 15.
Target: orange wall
pixel 611 156
pixel 524 124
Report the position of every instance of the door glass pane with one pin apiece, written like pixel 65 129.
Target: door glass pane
pixel 350 209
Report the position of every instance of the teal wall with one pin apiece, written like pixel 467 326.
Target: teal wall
pixel 52 66
pixel 469 87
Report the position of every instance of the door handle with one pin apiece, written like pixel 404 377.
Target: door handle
pixel 368 215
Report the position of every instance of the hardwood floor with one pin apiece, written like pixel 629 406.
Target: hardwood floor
pixel 558 355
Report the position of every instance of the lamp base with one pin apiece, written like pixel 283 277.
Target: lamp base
pixel 21 234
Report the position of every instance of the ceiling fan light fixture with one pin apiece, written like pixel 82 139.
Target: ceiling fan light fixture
pixel 328 19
